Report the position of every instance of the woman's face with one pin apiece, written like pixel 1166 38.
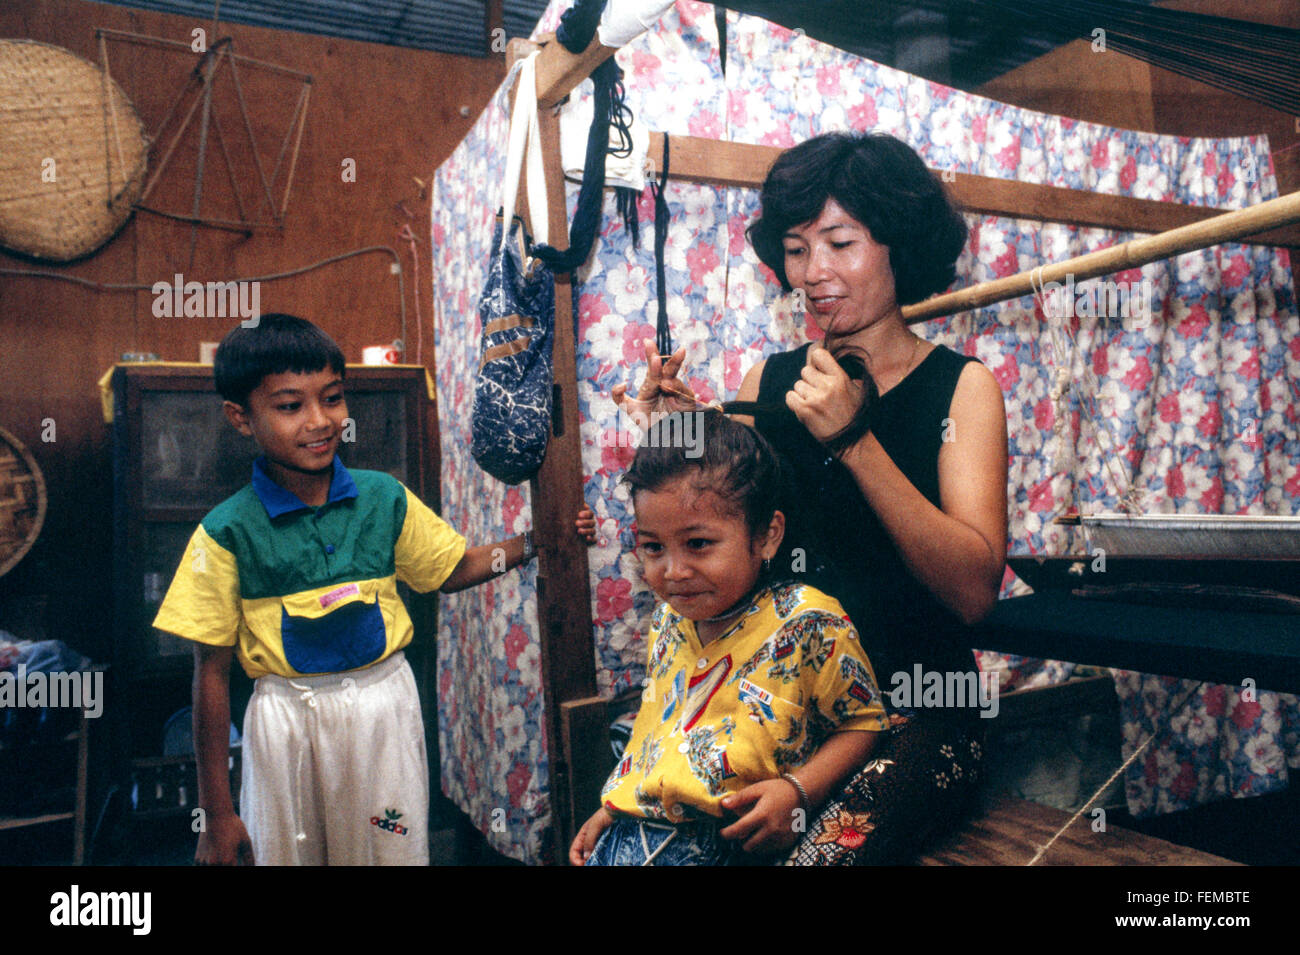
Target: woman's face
pixel 843 272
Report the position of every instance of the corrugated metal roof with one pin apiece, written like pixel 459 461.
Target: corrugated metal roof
pixel 448 26
pixel 960 42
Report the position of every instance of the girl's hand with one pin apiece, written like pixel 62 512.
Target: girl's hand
pixel 584 843
pixel 586 524
pixel 825 399
pixel 769 825
pixel 661 391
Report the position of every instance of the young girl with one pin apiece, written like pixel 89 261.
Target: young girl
pixel 759 699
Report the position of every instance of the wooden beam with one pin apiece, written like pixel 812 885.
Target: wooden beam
pixel 720 163
pixel 714 162
pixel 1093 694
pixel 559 71
pixel 567 644
pixel 1023 200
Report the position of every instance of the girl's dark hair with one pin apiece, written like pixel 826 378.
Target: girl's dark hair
pixel 881 182
pixel 278 343
pixel 730 459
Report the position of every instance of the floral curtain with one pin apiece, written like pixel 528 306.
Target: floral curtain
pixel 1196 391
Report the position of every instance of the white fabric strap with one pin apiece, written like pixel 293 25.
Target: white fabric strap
pixel 525 139
pixel 625 20
pixel 575 125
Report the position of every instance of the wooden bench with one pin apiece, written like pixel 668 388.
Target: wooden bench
pixel 1012 830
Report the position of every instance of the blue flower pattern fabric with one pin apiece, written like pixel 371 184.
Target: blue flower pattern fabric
pixel 1197 395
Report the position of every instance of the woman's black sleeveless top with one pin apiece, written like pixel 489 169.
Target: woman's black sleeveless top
pixel 845 549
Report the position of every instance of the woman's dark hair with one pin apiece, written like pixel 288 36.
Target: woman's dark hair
pixel 881 182
pixel 723 456
pixel 276 344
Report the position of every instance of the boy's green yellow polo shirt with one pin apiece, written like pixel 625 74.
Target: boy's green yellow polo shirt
pixel 300 590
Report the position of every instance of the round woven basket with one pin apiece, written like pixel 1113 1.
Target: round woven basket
pixel 22 501
pixel 72 153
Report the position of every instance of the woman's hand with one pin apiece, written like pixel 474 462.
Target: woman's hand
pixel 824 399
pixel 661 391
pixel 584 843
pixel 769 825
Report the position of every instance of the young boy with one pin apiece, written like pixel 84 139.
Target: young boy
pixel 296 576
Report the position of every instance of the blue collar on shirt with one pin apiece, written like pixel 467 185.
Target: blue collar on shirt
pixel 278 501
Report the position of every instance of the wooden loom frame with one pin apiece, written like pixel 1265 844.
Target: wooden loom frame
pixel 575 716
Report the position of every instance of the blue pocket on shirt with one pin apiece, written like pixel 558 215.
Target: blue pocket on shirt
pixel 348 638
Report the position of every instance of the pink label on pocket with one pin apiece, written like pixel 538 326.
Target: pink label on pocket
pixel 338 593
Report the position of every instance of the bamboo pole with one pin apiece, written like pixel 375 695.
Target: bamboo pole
pixel 1228 227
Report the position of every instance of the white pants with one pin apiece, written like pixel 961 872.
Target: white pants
pixel 335 770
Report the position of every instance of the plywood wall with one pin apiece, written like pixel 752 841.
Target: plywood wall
pixel 1111 88
pixel 395 112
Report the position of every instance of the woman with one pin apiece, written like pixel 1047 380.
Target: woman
pixel 901 480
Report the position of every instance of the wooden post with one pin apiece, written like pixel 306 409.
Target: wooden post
pixel 563 590
pixel 568 653
pixel 559 71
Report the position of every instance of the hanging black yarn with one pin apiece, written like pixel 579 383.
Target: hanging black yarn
pixel 586 219
pixel 663 334
pixel 576 30
pixel 578 24
pixel 856 368
pixel 627 199
pixel 621 119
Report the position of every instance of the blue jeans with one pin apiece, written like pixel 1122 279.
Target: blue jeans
pixel 633 841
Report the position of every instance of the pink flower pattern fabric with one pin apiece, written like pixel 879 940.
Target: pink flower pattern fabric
pixel 1198 395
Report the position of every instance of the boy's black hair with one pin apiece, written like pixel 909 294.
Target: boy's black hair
pixel 881 182
pixel 735 462
pixel 278 343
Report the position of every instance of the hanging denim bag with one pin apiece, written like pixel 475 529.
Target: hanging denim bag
pixel 511 420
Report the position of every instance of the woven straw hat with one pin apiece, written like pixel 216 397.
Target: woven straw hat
pixel 22 501
pixel 72 152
